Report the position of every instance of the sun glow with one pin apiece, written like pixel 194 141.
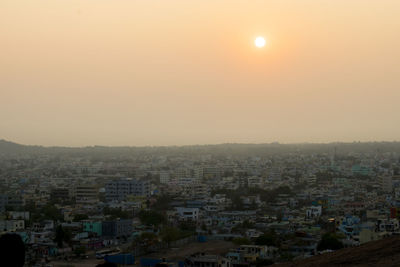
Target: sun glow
pixel 260 42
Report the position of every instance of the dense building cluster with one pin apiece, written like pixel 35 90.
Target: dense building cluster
pixel 268 204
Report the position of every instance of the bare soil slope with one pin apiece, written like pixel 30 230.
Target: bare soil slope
pixel 384 252
pixel 210 247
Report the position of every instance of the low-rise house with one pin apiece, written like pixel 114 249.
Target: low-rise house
pixel 390 225
pixel 206 260
pixel 349 225
pixel 366 235
pixel 188 214
pixel 253 233
pixel 18 215
pixel 41 237
pixel 314 212
pixel 251 253
pixel 46 225
pixel 302 246
pixel 12 225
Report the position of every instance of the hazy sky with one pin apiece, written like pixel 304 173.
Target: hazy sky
pixel 169 72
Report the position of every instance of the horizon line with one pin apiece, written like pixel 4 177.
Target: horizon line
pixel 206 144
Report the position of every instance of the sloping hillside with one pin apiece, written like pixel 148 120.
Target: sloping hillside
pixel 384 252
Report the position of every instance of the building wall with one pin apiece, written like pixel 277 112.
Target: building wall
pixel 59 194
pixel 119 190
pixel 12 225
pixel 118 228
pixel 94 227
pixel 86 194
pixel 164 177
pixel 3 202
pixel 387 184
pixel 191 214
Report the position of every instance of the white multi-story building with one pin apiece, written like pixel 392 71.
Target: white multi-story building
pixel 119 190
pixel 312 179
pixel 274 174
pixel 188 214
pixel 19 215
pixel 314 212
pixel 164 177
pixel 198 173
pixel 181 173
pixel 255 181
pixel 198 190
pixel 186 181
pixel 386 183
pixel 86 194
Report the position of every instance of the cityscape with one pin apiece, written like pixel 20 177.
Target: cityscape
pixel 220 205
pixel 212 133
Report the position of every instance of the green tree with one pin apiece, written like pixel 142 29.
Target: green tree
pixel 187 226
pixel 81 250
pixel 116 213
pixel 268 239
pixel 329 241
pixel 51 212
pixel 62 235
pixel 264 262
pixel 170 234
pixel 148 236
pixel 152 218
pixel 279 216
pixel 270 196
pixel 241 241
pixel 253 205
pixel 162 203
pixel 145 240
pixel 247 224
pixel 80 217
pixel 237 203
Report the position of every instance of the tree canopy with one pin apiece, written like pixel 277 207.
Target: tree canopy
pixel 329 241
pixel 152 218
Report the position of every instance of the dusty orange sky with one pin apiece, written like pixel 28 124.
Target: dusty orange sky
pixel 168 72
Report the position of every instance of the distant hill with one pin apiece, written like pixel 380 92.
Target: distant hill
pixel 384 252
pixel 7 147
pixel 10 148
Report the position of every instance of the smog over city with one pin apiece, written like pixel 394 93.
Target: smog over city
pixel 199 133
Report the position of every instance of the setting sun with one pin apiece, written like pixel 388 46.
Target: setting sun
pixel 260 41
